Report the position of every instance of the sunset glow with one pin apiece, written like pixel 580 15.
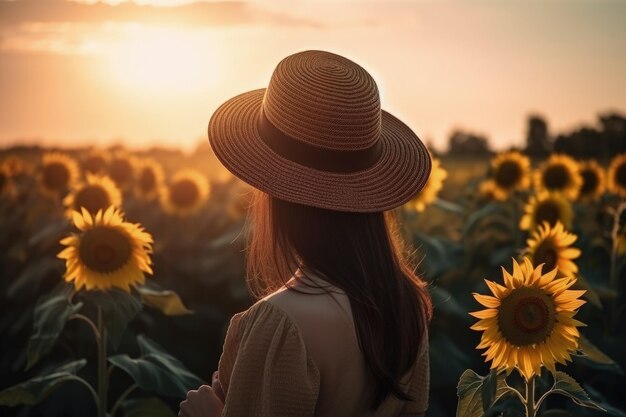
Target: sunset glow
pixel 164 60
pixel 154 70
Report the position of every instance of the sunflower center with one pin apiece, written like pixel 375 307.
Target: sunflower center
pixel 547 212
pixel 92 198
pixel 620 175
pixel 105 249
pixel 556 177
pixel 508 174
pixel 94 164
pixel 526 316
pixel 590 181
pixel 531 314
pixel 184 193
pixel 546 254
pixel 56 176
pixel 147 180
pixel 121 171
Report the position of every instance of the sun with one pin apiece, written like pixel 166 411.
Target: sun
pixel 164 60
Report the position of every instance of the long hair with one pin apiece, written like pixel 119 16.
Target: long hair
pixel 361 253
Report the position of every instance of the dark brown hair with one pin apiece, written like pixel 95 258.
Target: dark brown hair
pixel 361 253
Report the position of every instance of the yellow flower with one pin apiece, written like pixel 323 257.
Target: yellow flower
pixel 186 194
pixel 122 170
pixel 13 165
pixel 546 207
pixel 108 252
pixel 488 190
pixel 149 179
pixel 559 173
pixel 428 194
pixel 529 320
pixel 95 162
pixel 98 193
pixel 551 246
pixel 59 173
pixel 510 171
pixel 616 178
pixel 593 185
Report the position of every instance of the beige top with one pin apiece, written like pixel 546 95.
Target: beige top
pixel 293 354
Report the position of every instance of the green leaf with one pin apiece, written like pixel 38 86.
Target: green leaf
pixel 474 218
pixel 591 295
pixel 146 407
pixel 441 254
pixel 557 413
pixel 118 309
pixel 566 385
pixel 445 302
pixel 166 301
pixel 52 312
pixel 449 206
pixel 488 391
pixel 157 371
pixel 591 352
pixel 473 401
pixel 38 388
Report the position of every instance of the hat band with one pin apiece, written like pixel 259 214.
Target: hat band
pixel 322 159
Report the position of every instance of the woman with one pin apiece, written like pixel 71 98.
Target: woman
pixel 340 325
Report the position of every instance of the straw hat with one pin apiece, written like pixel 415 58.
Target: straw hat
pixel 317 136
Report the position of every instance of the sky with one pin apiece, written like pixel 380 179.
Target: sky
pixel 150 73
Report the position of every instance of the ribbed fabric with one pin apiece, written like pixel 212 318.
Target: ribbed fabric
pixel 266 370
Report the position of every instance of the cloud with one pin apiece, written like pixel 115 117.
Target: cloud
pixel 219 13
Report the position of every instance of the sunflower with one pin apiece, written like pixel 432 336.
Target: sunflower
pixel 559 173
pixel 529 321
pixel 488 190
pixel 149 179
pixel 433 185
pixel 186 193
pixel 510 171
pixel 122 170
pixel 13 165
pixel 593 184
pixel 616 178
pixel 108 252
pixel 98 193
pixel 95 162
pixel 551 246
pixel 546 207
pixel 58 174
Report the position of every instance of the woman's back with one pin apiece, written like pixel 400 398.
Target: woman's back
pixel 341 382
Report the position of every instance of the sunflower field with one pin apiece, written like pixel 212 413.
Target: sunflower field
pixel 121 269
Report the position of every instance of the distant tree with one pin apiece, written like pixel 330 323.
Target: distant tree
pixel 589 142
pixel 537 136
pixel 467 144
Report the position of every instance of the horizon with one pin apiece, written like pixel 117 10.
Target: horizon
pixel 93 74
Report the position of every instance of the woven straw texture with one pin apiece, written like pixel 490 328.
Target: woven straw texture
pixel 329 102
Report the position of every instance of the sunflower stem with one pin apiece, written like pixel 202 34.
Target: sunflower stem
pixel 613 281
pixel 102 366
pixel 531 410
pixel 122 398
pixel 91 324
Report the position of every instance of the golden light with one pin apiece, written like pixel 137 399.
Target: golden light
pixel 169 59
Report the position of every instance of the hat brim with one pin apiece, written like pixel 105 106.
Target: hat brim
pixel 399 174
